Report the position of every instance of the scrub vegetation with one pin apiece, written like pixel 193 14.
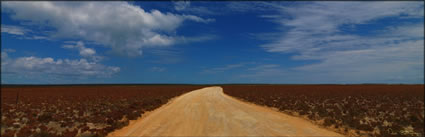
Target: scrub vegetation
pixel 354 110
pixel 79 110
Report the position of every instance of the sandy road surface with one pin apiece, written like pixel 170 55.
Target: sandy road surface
pixel 209 112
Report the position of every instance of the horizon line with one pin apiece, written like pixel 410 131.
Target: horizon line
pixel 106 84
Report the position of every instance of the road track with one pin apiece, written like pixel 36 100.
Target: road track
pixel 209 112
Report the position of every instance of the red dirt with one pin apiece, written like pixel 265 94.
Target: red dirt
pixel 369 110
pixel 78 110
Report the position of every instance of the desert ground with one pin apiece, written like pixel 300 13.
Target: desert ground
pixel 378 110
pixel 209 112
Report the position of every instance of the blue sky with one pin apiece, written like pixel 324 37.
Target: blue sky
pixel 212 42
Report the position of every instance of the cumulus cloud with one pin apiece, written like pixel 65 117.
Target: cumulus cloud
pixel 123 27
pixel 85 52
pixel 315 31
pixel 35 66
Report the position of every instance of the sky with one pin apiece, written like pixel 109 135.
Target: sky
pixel 195 42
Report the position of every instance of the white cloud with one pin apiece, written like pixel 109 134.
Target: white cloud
pixel 181 5
pixel 37 37
pixel 264 67
pixel 328 16
pixel 123 27
pixel 408 30
pixel 227 67
pixel 195 38
pixel 251 6
pixel 4 58
pixel 166 56
pixel 401 62
pixel 15 30
pixel 314 26
pixel 85 52
pixel 158 69
pixel 35 66
pixel 198 19
pixel 267 73
pixel 20 32
pixel 196 8
pixel 314 32
pixel 9 50
pixel 224 68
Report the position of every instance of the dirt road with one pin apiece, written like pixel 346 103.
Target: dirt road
pixel 209 112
